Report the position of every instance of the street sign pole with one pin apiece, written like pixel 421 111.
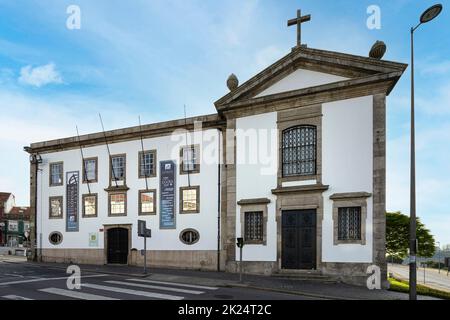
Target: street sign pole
pixel 145 254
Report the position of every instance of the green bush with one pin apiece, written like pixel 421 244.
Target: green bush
pixel 403 286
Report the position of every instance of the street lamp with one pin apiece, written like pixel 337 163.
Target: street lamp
pixel 439 256
pixel 426 16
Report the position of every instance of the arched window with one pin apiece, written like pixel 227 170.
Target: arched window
pixel 299 151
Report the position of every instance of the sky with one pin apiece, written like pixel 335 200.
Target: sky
pixel 149 58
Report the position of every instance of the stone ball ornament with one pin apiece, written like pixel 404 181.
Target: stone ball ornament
pixel 232 82
pixel 378 50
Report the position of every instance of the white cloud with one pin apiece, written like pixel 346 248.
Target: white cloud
pixel 442 67
pixel 268 55
pixel 39 76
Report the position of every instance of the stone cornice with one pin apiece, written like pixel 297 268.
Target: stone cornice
pixel 296 189
pixel 350 195
pixel 253 201
pixel 126 134
pixel 326 88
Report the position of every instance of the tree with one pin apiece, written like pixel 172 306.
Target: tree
pixel 397 236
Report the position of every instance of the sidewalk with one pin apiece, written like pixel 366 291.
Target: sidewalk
pixel 314 289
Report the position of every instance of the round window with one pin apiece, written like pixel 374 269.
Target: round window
pixel 55 238
pixel 189 236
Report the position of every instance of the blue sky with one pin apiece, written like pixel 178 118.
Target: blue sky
pixel 148 58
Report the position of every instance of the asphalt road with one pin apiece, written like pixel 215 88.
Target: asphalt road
pixel 22 281
pixel 432 277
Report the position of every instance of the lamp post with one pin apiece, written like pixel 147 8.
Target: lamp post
pixel 35 160
pixel 439 256
pixel 426 16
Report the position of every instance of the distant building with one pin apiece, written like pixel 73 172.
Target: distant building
pixel 7 201
pixel 17 226
pixel 14 221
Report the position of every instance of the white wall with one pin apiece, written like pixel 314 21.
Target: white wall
pixel 205 221
pixel 300 79
pixel 347 153
pixel 256 176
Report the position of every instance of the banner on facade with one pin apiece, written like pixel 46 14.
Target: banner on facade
pixel 72 196
pixel 167 195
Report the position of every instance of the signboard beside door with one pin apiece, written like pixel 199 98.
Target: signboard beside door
pixel 167 195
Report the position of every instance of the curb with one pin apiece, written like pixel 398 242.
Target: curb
pixel 299 293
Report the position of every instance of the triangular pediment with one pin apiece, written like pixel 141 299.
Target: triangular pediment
pixel 305 70
pixel 300 79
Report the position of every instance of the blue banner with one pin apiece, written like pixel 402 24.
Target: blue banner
pixel 167 195
pixel 72 196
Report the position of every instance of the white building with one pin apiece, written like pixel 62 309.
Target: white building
pixel 293 162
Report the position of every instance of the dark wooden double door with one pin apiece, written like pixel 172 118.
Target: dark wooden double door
pixel 298 242
pixel 118 245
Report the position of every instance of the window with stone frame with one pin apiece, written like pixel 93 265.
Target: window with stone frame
pixel 89 205
pixel 190 159
pixel 349 223
pixel 55 207
pixel 147 164
pixel 118 167
pixel 117 204
pixel 253 226
pixel 299 151
pixel 147 202
pixel 190 199
pixel 56 174
pixel 90 170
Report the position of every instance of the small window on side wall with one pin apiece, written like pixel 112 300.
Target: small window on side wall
pixel 90 205
pixel 190 199
pixel 90 170
pixel 117 204
pixel 55 238
pixel 349 223
pixel 190 159
pixel 56 174
pixel 147 164
pixel 254 226
pixel 147 202
pixel 189 236
pixel 55 207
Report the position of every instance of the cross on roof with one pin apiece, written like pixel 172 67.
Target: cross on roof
pixel 298 21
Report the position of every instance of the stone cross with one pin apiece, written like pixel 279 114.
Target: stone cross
pixel 298 21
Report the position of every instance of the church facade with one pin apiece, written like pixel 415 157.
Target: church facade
pixel 293 162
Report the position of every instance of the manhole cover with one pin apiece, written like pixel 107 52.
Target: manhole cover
pixel 223 296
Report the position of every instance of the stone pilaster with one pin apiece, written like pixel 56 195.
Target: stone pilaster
pixel 379 185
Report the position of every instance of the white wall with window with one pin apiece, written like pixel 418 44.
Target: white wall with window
pixel 256 176
pixel 127 165
pixel 347 166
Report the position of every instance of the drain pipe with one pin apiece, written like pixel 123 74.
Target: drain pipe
pixel 219 131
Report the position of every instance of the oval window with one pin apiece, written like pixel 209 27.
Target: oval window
pixel 55 238
pixel 189 236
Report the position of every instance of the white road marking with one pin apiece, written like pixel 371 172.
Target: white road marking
pixel 13 297
pixel 75 294
pixel 156 287
pixel 175 284
pixel 48 279
pixel 132 292
pixel 14 275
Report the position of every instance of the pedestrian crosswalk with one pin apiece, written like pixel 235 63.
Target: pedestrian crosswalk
pixel 118 289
